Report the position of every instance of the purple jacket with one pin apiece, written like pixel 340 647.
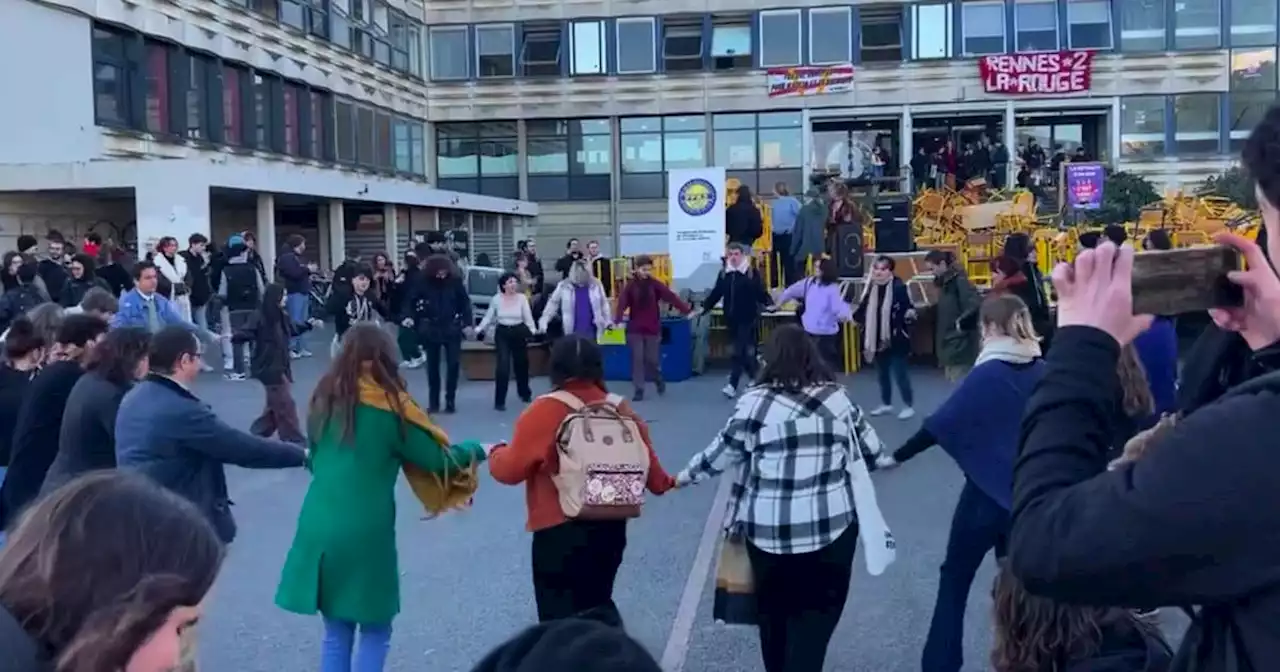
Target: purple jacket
pixel 824 306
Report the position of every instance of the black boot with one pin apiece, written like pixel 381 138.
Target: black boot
pixel 662 387
pixel 639 394
pixel 450 407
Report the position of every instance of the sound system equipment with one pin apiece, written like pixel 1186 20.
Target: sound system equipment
pixel 848 250
pixel 893 223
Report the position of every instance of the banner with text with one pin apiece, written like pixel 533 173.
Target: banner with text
pixel 695 224
pixel 1036 74
pixel 810 80
pixel 1084 184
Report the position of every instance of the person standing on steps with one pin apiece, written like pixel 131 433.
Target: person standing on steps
pixel 295 273
pixel 743 292
pixel 640 301
pixel 511 318
pixel 438 308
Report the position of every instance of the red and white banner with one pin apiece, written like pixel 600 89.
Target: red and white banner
pixel 1027 74
pixel 809 80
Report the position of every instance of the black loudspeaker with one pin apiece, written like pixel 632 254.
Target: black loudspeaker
pixel 893 223
pixel 848 251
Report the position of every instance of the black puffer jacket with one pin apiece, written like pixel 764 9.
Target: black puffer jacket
pixel 74 289
pixel 440 307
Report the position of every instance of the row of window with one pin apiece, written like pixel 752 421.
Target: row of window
pixel 569 160
pixel 871 33
pixel 173 92
pixel 370 28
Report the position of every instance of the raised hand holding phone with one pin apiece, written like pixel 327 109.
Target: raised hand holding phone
pixel 1257 319
pixel 1096 291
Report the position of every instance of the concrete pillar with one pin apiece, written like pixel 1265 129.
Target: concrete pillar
pixel 907 150
pixel 391 232
pixel 806 149
pixel 337 234
pixel 522 151
pixel 322 226
pixel 429 140
pixel 1011 142
pixel 174 209
pixel 1113 139
pixel 267 231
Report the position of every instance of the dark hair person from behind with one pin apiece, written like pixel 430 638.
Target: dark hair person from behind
pixel 108 572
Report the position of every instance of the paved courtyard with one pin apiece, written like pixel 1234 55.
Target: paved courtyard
pixel 466 584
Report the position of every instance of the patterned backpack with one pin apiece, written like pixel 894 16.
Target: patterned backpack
pixel 604 462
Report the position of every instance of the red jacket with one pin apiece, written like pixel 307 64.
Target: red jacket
pixel 642 297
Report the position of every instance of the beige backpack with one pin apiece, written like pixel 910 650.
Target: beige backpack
pixel 604 462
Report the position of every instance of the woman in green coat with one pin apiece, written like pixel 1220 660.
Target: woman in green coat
pixel 365 429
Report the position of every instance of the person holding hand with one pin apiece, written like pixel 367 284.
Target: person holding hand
pixel 511 319
pixel 1196 520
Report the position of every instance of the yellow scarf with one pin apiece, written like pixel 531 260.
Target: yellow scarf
pixel 437 494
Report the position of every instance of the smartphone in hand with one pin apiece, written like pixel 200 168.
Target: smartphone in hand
pixel 1186 280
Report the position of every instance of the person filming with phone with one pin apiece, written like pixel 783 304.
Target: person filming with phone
pixel 1195 522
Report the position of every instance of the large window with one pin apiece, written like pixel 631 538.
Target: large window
pixel 1253 22
pixel 779 38
pixel 830 35
pixel 478 158
pixel 933 28
pixel 1197 24
pixel 681 44
pixel 881 33
pixel 495 51
pixel 1253 91
pixel 366 137
pixel 569 160
pixel 1089 24
pixel 406 38
pixel 760 149
pixel 111 77
pixel 586 40
pixel 234 83
pixel 383 149
pixel 653 145
pixel 408 149
pixel 983 27
pixel 731 42
pixel 449 53
pixel 157 69
pixel 261 112
pixel 634 38
pixel 1142 126
pixel 292 132
pixel 541 49
pixel 340 23
pixel 1143 25
pixel 1197 125
pixel 1036 25
pixel 345 128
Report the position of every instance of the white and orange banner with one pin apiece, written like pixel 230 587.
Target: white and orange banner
pixel 815 80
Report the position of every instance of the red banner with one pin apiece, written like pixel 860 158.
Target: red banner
pixel 1027 74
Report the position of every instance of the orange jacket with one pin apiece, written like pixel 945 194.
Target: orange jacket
pixel 531 457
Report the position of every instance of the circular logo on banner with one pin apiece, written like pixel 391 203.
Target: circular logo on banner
pixel 696 197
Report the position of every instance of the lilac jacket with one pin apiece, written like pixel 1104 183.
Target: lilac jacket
pixel 824 306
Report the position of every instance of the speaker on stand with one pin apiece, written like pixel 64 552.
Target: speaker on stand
pixel 848 252
pixel 893 223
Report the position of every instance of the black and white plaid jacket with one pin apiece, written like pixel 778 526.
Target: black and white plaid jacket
pixel 790 454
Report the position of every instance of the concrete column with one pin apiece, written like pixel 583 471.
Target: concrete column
pixel 267 231
pixel 322 226
pixel 430 152
pixel 522 147
pixel 906 149
pixel 170 209
pixel 1011 142
pixel 337 234
pixel 806 148
pixel 1113 140
pixel 391 232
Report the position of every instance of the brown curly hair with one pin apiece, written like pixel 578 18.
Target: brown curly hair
pixel 1138 402
pixel 94 569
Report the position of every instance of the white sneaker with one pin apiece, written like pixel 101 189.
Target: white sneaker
pixel 907 413
pixel 233 376
pixel 295 355
pixel 729 391
pixel 882 409
pixel 304 353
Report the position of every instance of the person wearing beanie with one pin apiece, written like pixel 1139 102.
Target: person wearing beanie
pixel 584 644
pixel 240 287
pixel 27 244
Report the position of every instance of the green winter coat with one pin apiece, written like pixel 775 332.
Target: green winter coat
pixel 343 562
pixel 956 341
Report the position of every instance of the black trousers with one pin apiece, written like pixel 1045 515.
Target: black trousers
pixel 829 346
pixel 511 346
pixel 799 601
pixel 743 338
pixel 784 261
pixel 451 349
pixel 574 566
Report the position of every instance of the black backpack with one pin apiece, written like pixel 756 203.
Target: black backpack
pixel 242 287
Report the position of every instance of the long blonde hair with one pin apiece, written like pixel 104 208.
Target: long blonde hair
pixel 1008 316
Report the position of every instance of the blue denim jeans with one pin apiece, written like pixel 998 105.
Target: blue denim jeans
pixel 891 365
pixel 298 306
pixel 340 639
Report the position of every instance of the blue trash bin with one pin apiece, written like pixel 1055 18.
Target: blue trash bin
pixel 675 354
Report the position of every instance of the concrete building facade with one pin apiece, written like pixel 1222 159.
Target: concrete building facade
pixel 139 119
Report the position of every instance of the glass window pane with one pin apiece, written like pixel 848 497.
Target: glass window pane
pixel 983 28
pixel 1253 69
pixel 731 41
pixel 635 38
pixel 366 133
pixel 933 31
pixel 107 94
pixel 1090 24
pixel 780 148
pixel 449 53
pixel 346 129
pixel 830 36
pixel 781 120
pixel 591 126
pixel 157 73
pixel 495 51
pixel 588 48
pixel 732 121
pixel 640 124
pixel 736 150
pixel 457 150
pixel 779 38
pixel 684 149
pixel 1247 110
pixel 400 132
pixel 1142 126
pixel 641 152
pixel 881 34
pixel 1142 25
pixel 1253 22
pixel 232 126
pixel 595 156
pixel 1037 24
pixel 1196 123
pixel 1197 24
pixel 684 123
pixel 196 84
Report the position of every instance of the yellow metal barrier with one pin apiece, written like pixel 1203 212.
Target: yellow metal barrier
pixel 849 338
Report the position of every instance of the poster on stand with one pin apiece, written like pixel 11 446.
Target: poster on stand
pixel 1082 184
pixel 695 225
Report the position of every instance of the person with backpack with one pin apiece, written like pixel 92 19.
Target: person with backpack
pixel 570 476
pixel 240 287
pixel 742 290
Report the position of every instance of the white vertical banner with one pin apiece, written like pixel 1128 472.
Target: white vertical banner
pixel 695 225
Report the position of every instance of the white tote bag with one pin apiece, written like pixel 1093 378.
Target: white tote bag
pixel 878 545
